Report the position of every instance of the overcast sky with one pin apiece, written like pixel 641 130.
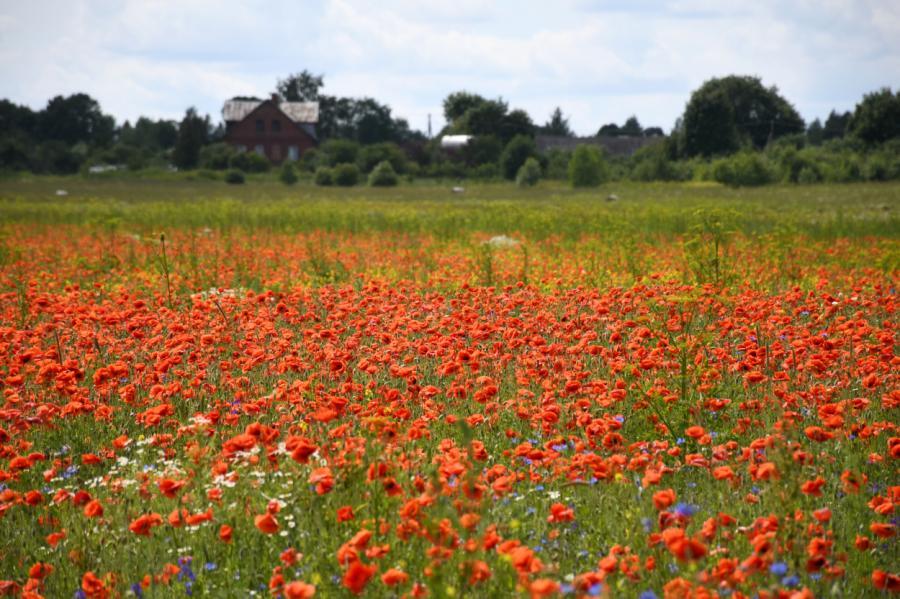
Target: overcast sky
pixel 600 61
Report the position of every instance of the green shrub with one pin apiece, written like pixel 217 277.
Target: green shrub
pixel 529 173
pixel 809 174
pixel 519 149
pixel 287 175
pixel 744 169
pixel 324 176
pixel 249 162
pixel 234 177
pixel 311 160
pixel 485 172
pixel 216 156
pixel 557 164
pixel 346 175
pixel 340 151
pixel 373 155
pixel 383 175
pixel 586 167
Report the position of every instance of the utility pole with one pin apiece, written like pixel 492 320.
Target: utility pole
pixel 429 125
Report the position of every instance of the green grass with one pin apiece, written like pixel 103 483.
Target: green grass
pixel 550 209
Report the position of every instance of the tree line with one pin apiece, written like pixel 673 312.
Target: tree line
pixel 729 124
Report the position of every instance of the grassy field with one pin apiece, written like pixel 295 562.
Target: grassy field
pixel 227 391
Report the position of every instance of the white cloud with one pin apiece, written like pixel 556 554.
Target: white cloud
pixel 600 61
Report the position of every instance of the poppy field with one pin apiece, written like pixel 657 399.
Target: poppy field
pixel 685 392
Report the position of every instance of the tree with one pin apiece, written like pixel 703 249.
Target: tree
pixel 519 149
pixel 458 103
pixel 517 122
pixel 557 125
pixel 193 134
pixel 836 125
pixel 815 133
pixel 529 173
pixel 877 117
pixel 653 132
pixel 708 125
pixel 609 130
pixel 482 149
pixel 75 119
pixel 727 112
pixel 586 167
pixel 300 87
pixel 631 128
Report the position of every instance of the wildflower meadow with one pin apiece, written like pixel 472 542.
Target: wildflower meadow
pixel 651 390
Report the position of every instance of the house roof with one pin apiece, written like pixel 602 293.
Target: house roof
pixel 299 112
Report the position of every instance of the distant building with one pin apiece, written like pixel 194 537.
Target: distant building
pixel 277 130
pixel 614 146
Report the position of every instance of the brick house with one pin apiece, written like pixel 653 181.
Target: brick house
pixel 272 128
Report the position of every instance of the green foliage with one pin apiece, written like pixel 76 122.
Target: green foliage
pixel 516 152
pixel 339 151
pixel 310 160
pixel 652 163
pixel 587 167
pixel 383 175
pixel 529 173
pixel 76 118
pixel 346 175
pixel 216 156
pixel 324 176
pixel 373 155
pixel 249 162
pixel 288 174
pixel 482 117
pixel 234 177
pixel 193 134
pixel 745 169
pixel 300 87
pixel 725 113
pixel 557 164
pixel 877 117
pixel 482 149
pixel 557 125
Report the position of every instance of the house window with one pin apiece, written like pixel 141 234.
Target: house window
pixel 293 152
pixel 276 126
pixel 260 149
pixel 241 148
pixel 260 126
pixel 276 152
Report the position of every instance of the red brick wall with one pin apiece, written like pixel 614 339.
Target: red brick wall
pixel 275 140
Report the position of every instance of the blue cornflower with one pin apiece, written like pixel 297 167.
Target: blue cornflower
pixel 647 595
pixel 595 589
pixel 209 566
pixel 790 581
pixel 778 568
pixel 137 590
pixel 686 510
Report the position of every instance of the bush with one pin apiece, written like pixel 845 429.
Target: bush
pixel 310 160
pixel 485 172
pixel 346 175
pixel 234 177
pixel 519 149
pixel 383 175
pixel 529 173
pixel 287 175
pixel 586 167
pixel 324 176
pixel 216 156
pixel 372 156
pixel 249 162
pixel 340 151
pixel 557 165
pixel 745 169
